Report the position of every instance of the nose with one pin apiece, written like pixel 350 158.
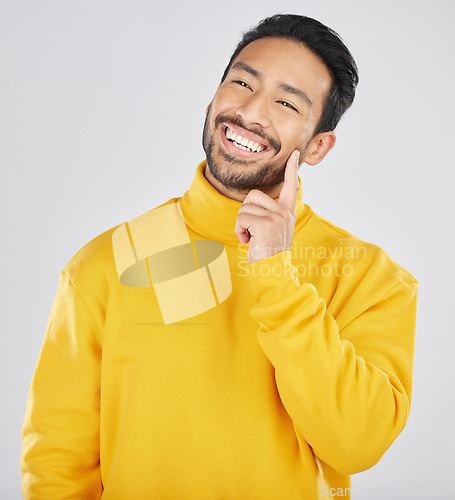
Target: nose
pixel 254 111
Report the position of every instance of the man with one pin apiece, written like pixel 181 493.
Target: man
pixel 230 343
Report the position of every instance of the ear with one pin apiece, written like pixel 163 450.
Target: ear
pixel 318 148
pixel 208 109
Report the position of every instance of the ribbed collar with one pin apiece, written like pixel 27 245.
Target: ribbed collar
pixel 213 215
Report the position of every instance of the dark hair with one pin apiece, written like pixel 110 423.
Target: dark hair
pixel 324 43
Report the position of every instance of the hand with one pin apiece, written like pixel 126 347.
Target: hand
pixel 268 225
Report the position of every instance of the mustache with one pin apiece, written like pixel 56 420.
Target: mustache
pixel 259 132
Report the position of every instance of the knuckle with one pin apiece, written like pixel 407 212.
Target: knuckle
pixel 240 218
pixel 255 195
pixel 294 184
pixel 255 192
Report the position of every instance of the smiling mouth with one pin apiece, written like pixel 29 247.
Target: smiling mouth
pixel 243 143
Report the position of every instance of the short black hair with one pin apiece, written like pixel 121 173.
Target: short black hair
pixel 324 43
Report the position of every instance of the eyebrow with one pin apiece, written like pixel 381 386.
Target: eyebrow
pixel 295 91
pixel 284 86
pixel 246 67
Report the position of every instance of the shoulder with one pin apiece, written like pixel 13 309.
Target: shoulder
pixel 324 238
pixel 95 263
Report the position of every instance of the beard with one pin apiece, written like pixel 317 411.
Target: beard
pixel 265 177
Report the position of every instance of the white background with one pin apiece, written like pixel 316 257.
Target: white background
pixel 102 105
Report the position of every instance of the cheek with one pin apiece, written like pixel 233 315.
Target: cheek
pixel 220 98
pixel 293 137
pixel 227 100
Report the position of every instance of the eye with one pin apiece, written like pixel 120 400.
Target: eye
pixel 288 105
pixel 242 83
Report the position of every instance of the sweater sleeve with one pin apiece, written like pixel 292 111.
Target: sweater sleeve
pixel 60 451
pixel 347 390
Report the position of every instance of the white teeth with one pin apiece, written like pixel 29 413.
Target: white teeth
pixel 230 134
pixel 241 142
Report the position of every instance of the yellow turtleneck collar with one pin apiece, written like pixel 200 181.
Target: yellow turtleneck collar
pixel 213 215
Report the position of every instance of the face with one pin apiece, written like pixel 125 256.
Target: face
pixel 269 105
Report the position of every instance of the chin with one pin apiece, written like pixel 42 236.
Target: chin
pixel 241 175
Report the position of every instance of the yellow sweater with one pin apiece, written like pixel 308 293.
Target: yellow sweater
pixel 173 369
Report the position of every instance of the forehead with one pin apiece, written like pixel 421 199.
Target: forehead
pixel 280 59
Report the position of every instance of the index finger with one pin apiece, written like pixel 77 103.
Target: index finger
pixel 290 187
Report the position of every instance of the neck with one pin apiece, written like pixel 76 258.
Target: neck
pixel 211 214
